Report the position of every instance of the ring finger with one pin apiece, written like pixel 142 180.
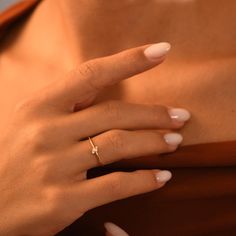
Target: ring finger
pixel 115 145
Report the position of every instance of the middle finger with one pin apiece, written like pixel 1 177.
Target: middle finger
pixel 121 115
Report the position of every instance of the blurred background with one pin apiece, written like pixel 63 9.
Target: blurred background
pixel 6 3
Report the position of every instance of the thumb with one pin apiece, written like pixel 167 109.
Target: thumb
pixel 114 230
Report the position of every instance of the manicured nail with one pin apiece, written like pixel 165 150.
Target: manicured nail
pixel 173 139
pixel 179 114
pixel 156 51
pixel 163 176
pixel 114 230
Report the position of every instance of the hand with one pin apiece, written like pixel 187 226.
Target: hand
pixel 45 153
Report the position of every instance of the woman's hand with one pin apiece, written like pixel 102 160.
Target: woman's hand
pixel 45 151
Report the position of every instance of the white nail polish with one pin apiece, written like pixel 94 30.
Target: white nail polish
pixel 163 176
pixel 156 51
pixel 173 139
pixel 179 114
pixel 114 230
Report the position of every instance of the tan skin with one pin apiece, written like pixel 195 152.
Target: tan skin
pixel 198 75
pixel 45 156
pixel 199 68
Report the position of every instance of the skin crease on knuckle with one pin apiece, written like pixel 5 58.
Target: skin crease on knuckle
pixel 115 139
pixel 42 136
pixel 117 186
pixel 112 110
pixel 87 72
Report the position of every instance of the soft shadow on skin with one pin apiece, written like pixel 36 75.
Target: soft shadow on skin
pixel 95 29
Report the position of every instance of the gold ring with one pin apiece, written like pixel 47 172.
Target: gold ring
pixel 94 151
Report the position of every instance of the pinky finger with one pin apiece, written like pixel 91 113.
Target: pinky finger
pixel 120 185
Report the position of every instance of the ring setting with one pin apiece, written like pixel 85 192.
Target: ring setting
pixel 94 151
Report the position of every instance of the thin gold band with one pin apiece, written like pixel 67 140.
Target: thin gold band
pixel 95 152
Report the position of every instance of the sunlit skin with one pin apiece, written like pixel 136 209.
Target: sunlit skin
pixel 198 73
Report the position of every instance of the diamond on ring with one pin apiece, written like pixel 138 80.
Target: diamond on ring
pixel 94 151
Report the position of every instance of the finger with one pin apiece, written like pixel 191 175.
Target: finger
pixel 114 230
pixel 120 115
pixel 116 186
pixel 115 145
pixel 86 80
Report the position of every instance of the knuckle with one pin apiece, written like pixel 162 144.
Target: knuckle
pixel 112 109
pixel 39 132
pixel 41 135
pixel 41 166
pixel 115 139
pixel 87 71
pixel 54 196
pixel 116 185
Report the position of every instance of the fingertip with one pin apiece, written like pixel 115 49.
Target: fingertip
pixel 173 139
pixel 179 114
pixel 157 51
pixel 163 176
pixel 114 230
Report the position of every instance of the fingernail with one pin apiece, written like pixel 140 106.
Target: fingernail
pixel 114 230
pixel 156 51
pixel 179 114
pixel 163 176
pixel 173 139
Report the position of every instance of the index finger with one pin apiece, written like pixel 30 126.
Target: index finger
pixel 84 82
